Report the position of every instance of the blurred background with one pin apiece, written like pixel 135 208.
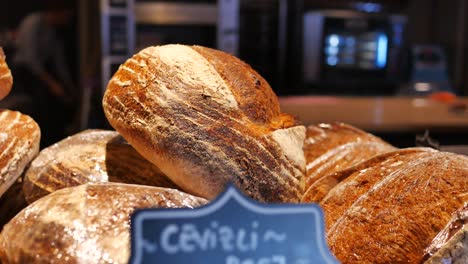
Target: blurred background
pixel 395 68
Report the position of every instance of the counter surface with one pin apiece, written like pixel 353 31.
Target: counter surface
pixel 380 114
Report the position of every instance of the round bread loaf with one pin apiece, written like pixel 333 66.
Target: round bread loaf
pixel 19 144
pixel 85 224
pixel 6 79
pixel 89 156
pixel 207 119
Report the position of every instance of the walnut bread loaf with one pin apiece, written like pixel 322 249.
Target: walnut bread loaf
pixel 19 144
pixel 6 79
pixel 206 119
pixel 329 148
pixel 89 156
pixel 391 214
pixel 85 224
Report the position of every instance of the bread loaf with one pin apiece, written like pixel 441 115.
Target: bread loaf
pixel 451 244
pixel 6 79
pixel 400 214
pixel 89 156
pixel 330 148
pixel 359 178
pixel 207 119
pixel 85 224
pixel 19 144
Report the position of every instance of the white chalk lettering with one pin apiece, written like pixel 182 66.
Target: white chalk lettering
pixel 276 259
pixel 227 238
pixel 165 237
pixel 188 238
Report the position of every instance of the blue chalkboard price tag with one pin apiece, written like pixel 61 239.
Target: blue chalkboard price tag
pixel 233 229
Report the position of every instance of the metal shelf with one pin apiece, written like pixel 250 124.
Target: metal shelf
pixel 165 13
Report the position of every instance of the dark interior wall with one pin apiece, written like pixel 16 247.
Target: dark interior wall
pixel 441 22
pixel 12 12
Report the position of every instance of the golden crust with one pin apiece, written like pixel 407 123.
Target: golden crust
pixel 205 119
pixel 89 156
pixel 89 223
pixel 19 144
pixel 398 213
pixel 6 79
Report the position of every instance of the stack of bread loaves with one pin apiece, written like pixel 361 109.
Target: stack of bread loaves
pixel 191 120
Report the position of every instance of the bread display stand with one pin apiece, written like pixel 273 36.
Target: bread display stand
pixel 191 121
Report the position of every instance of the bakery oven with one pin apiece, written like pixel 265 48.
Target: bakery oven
pixel 183 22
pixel 350 52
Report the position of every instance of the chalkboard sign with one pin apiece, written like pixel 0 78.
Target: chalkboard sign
pixel 233 229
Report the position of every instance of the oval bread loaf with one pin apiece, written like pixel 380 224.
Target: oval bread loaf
pixel 85 224
pixel 89 156
pixel 399 215
pixel 323 190
pixel 6 79
pixel 330 148
pixel 19 144
pixel 207 119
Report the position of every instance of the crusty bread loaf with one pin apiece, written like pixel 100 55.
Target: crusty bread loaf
pixel 397 218
pixel 89 156
pixel 84 224
pixel 6 79
pixel 19 144
pixel 359 178
pixel 451 244
pixel 330 148
pixel 207 119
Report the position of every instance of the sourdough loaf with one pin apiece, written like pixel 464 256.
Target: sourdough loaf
pixel 207 119
pixel 329 148
pixel 401 211
pixel 89 156
pixel 6 79
pixel 84 224
pixel 19 144
pixel 358 178
pixel 451 244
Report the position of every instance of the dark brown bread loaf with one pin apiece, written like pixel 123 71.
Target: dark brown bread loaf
pixel 330 148
pixel 206 119
pixel 84 224
pixel 19 144
pixel 396 219
pixel 6 79
pixel 89 156
pixel 451 244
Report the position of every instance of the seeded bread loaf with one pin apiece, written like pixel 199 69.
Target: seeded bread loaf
pixel 6 79
pixel 330 148
pixel 89 156
pixel 207 119
pixel 19 144
pixel 399 215
pixel 85 224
